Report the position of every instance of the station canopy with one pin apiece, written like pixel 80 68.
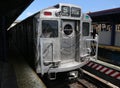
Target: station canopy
pixel 106 16
pixel 10 10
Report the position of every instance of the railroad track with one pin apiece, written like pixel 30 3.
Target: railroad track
pixel 99 82
pixel 86 81
pixel 82 83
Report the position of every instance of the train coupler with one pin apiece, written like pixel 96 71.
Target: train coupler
pixel 52 76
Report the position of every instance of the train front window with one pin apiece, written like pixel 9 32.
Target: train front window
pixel 68 29
pixel 49 28
pixel 86 29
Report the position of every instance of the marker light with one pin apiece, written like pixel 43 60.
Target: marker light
pixel 87 17
pixel 47 13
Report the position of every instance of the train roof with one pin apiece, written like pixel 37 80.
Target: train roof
pixel 57 6
pixel 62 4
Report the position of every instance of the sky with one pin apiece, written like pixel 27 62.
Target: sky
pixel 86 5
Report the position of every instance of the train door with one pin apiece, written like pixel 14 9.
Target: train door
pixel 68 40
pixel 49 43
pixel 85 34
pixel 85 45
pixel 86 39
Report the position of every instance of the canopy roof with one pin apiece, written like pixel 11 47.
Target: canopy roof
pixel 106 16
pixel 10 10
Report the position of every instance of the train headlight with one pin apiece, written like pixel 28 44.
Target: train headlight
pixel 73 74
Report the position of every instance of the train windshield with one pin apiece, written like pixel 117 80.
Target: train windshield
pixel 49 28
pixel 86 29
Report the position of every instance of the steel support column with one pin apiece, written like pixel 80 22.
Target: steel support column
pixel 113 34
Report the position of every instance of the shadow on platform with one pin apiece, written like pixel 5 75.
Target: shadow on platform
pixel 7 76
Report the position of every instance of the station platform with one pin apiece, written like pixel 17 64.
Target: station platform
pixel 111 48
pixel 110 54
pixel 7 76
pixel 16 73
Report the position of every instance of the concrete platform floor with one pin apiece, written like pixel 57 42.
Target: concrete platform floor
pixel 16 73
pixel 25 76
pixel 7 76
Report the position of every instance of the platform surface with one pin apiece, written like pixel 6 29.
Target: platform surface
pixel 112 48
pixel 107 64
pixel 7 76
pixel 25 75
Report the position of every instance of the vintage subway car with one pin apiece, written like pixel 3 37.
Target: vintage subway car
pixel 53 40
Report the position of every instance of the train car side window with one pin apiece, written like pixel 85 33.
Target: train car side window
pixel 86 29
pixel 49 28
